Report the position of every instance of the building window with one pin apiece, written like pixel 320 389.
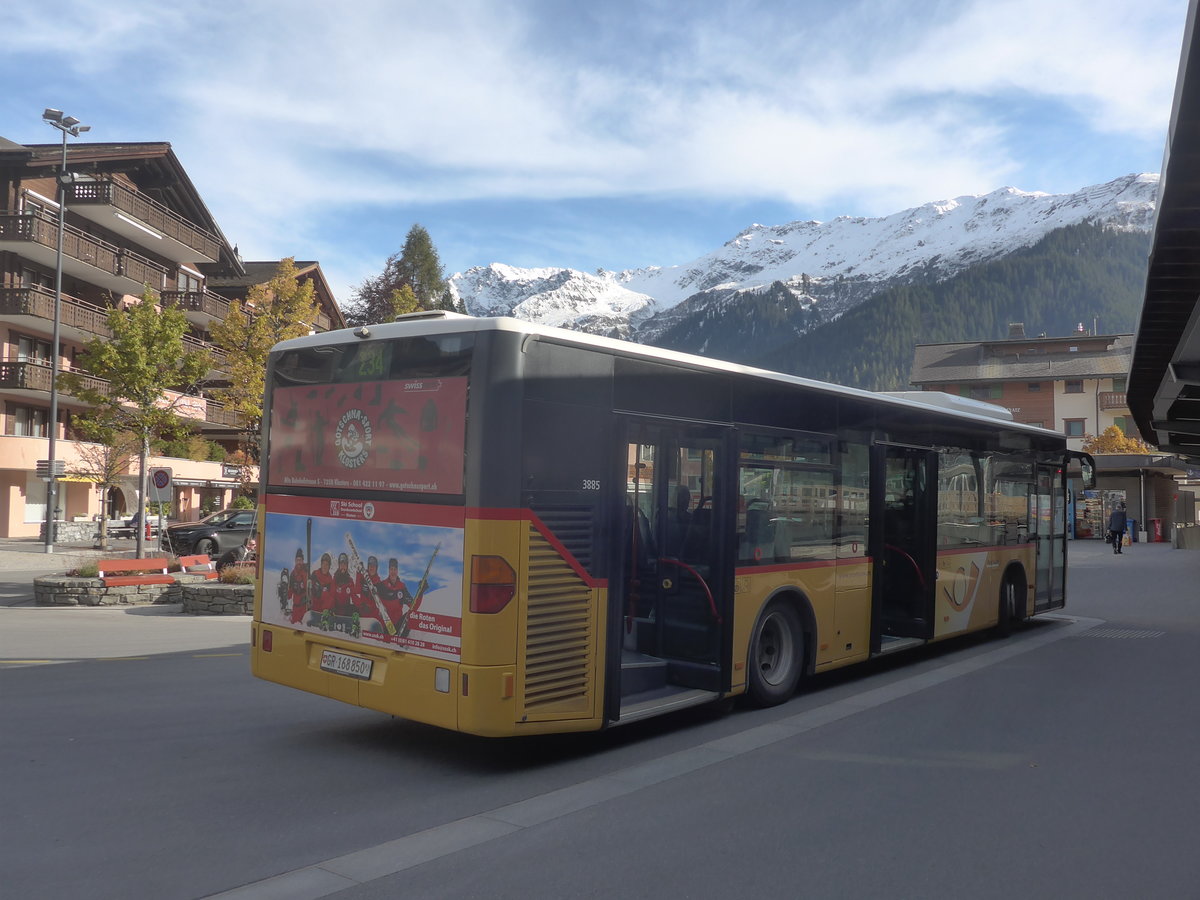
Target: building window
pixel 187 281
pixel 986 391
pixel 1074 386
pixel 30 349
pixel 1037 424
pixel 1034 386
pixel 1074 427
pixel 1119 385
pixel 28 421
pixel 1122 422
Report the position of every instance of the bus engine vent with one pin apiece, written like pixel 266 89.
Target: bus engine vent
pixel 572 526
pixel 559 635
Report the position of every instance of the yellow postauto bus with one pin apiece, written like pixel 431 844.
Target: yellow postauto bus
pixel 508 529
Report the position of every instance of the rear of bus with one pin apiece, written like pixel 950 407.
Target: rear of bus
pixel 399 571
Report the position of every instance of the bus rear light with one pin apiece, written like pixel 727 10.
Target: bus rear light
pixel 268 640
pixel 493 584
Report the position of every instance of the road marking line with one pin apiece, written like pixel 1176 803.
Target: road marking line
pixel 214 655
pixel 371 863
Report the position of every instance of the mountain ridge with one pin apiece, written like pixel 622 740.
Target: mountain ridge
pixel 821 268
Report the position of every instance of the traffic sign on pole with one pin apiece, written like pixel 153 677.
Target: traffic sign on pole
pixel 160 484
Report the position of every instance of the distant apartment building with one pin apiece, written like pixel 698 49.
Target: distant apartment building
pixel 133 220
pixel 1074 384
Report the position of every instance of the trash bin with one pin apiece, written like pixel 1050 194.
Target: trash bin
pixel 1156 531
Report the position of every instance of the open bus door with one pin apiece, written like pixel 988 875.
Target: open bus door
pixel 678 579
pixel 1048 526
pixel 904 543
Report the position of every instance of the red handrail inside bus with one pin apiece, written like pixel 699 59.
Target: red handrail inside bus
pixel 920 574
pixel 712 604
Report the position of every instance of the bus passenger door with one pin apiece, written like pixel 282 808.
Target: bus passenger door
pixel 1048 529
pixel 904 495
pixel 678 580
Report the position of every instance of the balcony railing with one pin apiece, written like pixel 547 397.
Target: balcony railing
pixel 198 301
pixel 35 376
pixel 220 415
pixel 324 323
pixel 1113 400
pixel 219 356
pixel 146 210
pixel 39 227
pixel 39 302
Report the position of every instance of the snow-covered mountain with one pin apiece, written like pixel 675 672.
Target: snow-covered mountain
pixel 828 266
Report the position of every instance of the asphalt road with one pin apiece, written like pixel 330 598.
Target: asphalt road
pixel 1057 763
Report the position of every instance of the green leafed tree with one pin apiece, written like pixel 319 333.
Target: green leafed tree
pixel 416 267
pixel 281 309
pixel 104 458
pixel 149 376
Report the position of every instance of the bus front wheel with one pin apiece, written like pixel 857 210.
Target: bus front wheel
pixel 776 655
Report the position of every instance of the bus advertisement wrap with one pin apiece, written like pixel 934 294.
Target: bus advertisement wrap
pixel 379 577
pixel 370 435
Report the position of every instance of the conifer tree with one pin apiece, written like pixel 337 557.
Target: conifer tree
pixel 416 266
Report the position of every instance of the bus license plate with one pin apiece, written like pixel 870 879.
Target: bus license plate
pixel 345 664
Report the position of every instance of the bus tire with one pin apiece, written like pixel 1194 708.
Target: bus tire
pixel 1009 590
pixel 776 655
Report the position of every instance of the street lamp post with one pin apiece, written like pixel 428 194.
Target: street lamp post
pixel 68 125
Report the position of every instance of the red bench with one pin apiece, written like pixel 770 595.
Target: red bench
pixel 116 572
pixel 199 565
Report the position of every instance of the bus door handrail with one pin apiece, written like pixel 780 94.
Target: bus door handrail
pixel 712 603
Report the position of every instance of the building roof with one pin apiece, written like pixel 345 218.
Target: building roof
pixel 262 271
pixel 1023 359
pixel 1164 379
pixel 151 165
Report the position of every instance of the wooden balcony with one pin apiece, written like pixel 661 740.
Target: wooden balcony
pixel 36 376
pixel 78 318
pixel 185 242
pixel 198 306
pixel 34 235
pixel 218 414
pixel 219 357
pixel 1113 400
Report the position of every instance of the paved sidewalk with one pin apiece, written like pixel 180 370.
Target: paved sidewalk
pixel 31 635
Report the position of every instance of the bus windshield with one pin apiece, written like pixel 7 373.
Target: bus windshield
pixel 378 416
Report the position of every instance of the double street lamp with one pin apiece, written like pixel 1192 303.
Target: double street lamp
pixel 68 125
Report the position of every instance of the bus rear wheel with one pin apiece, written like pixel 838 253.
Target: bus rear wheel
pixel 776 655
pixel 1008 606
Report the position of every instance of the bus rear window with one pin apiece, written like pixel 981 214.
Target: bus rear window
pixel 375 416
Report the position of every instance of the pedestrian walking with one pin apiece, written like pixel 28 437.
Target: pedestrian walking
pixel 1116 527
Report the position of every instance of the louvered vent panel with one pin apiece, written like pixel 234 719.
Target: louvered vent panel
pixel 572 526
pixel 558 637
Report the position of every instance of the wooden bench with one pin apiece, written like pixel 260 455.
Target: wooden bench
pixel 116 572
pixel 199 565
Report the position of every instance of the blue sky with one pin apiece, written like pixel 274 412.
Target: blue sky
pixel 612 134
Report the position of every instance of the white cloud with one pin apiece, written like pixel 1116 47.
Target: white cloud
pixel 282 110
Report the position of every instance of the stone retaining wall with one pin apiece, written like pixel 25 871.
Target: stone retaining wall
pixel 214 599
pixel 64 590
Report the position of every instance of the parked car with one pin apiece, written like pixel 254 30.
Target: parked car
pixel 212 535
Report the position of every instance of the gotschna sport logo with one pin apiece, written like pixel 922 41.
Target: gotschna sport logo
pixel 353 438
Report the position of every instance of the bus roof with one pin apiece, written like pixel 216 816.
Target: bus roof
pixel 441 322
